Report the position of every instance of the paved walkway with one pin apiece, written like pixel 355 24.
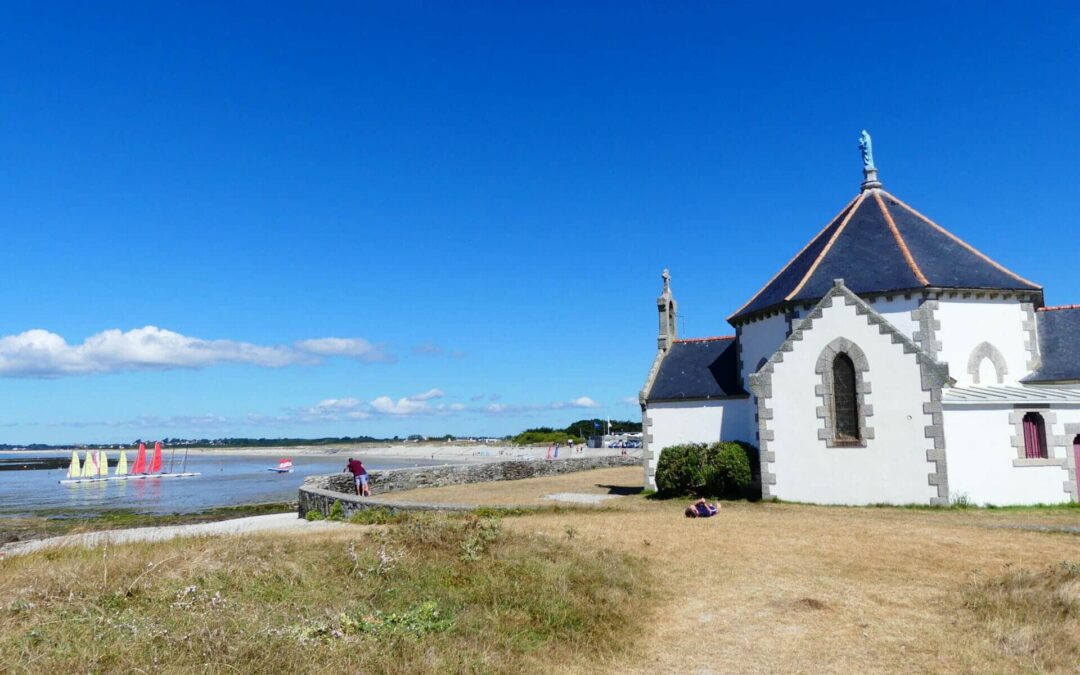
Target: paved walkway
pixel 277 522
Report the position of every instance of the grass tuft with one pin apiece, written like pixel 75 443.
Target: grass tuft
pixel 1032 616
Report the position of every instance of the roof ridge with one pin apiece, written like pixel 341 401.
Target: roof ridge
pixel 796 256
pixel 707 339
pixel 900 239
pixel 1057 308
pixel 824 251
pixel 963 243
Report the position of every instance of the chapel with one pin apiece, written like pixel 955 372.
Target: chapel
pixel 887 362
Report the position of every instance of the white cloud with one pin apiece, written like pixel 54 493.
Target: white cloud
pixel 357 348
pixel 40 353
pixel 339 404
pixel 384 405
pixel 629 400
pixel 430 348
pixel 428 395
pixel 579 402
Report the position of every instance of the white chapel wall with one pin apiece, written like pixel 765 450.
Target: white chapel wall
pixel 892 467
pixel 676 422
pixel 980 458
pixel 759 340
pixel 897 311
pixel 967 323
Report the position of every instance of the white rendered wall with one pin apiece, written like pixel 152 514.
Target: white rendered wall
pixel 967 323
pixel 760 340
pixel 697 422
pixel 897 311
pixel 980 454
pixel 892 467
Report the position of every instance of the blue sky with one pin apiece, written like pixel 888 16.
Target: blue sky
pixel 474 200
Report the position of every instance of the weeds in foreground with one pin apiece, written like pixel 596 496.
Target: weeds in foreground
pixel 1032 616
pixel 429 594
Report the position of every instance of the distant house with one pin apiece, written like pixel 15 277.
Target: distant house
pixel 888 361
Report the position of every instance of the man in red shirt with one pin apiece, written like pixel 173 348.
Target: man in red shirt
pixel 360 477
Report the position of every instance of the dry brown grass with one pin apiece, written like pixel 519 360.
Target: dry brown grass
pixel 434 595
pixel 761 587
pixel 526 492
pixel 795 588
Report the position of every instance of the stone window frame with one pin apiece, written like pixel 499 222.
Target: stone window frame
pixel 1072 471
pixel 985 350
pixel 824 392
pixel 1053 458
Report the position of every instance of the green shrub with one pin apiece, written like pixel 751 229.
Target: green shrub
pixel 377 516
pixel 721 470
pixel 681 469
pixel 314 514
pixel 728 471
pixel 336 512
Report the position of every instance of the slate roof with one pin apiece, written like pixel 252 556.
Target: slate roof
pixel 875 244
pixel 698 369
pixel 1059 344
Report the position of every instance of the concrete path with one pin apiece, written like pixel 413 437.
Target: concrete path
pixel 275 522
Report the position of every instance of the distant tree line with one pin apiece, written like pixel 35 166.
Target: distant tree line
pixel 578 431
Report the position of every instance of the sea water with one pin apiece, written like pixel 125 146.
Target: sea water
pixel 227 479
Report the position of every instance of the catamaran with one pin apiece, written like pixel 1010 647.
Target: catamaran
pixel 283 466
pixel 95 467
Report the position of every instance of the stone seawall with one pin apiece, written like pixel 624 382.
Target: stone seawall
pixel 320 492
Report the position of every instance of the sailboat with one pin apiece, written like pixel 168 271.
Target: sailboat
pixel 75 470
pixel 95 467
pixel 283 466
pixel 140 461
pixel 89 467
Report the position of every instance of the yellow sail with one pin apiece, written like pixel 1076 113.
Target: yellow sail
pixel 121 464
pixel 103 463
pixel 75 470
pixel 89 467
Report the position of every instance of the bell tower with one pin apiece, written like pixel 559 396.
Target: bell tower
pixel 668 309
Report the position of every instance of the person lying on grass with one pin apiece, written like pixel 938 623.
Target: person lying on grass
pixel 701 509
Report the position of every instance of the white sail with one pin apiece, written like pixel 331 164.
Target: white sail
pixel 103 464
pixel 121 464
pixel 89 468
pixel 74 470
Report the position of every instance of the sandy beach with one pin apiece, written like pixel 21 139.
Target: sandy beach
pixel 455 452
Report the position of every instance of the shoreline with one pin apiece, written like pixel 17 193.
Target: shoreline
pixel 405 452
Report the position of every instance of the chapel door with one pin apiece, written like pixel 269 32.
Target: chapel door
pixel 1076 458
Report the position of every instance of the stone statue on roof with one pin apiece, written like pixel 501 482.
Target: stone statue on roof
pixel 866 145
pixel 666 276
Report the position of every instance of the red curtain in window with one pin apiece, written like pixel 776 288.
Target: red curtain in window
pixel 1034 436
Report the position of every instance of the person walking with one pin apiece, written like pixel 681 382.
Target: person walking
pixel 360 477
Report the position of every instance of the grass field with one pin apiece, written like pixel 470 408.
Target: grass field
pixel 630 587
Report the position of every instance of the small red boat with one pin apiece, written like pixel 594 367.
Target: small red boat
pixel 283 466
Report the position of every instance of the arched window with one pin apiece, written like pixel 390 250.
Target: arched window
pixel 1034 436
pixel 845 401
pixel 844 411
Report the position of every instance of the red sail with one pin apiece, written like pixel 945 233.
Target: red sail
pixel 140 461
pixel 155 466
